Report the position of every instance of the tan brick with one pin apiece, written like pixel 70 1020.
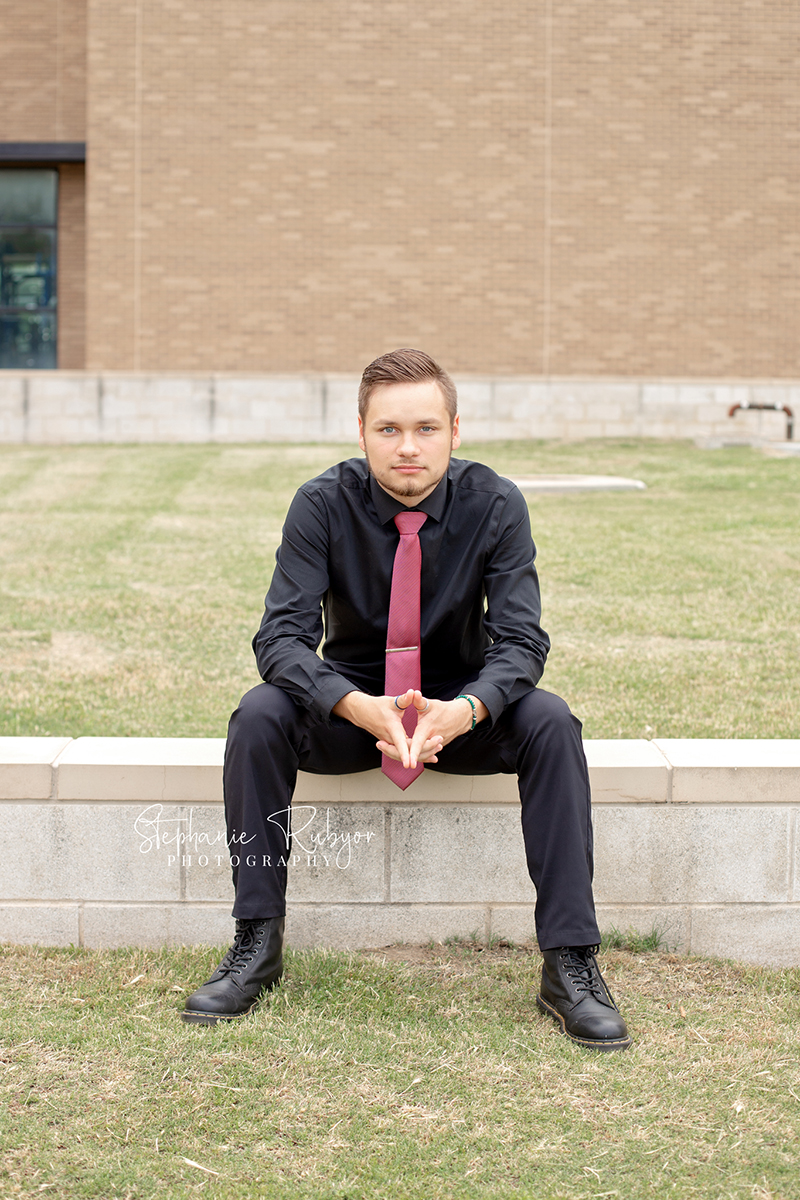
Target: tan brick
pixel 527 189
pixel 71 266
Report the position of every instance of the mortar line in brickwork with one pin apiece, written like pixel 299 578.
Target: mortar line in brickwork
pixel 548 166
pixel 137 185
pixel 59 67
pixel 792 872
pixel 387 855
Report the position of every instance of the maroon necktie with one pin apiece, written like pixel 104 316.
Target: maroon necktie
pixel 403 635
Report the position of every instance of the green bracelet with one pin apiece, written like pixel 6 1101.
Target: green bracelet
pixel 471 703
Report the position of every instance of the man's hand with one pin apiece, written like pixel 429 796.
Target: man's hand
pixel 380 716
pixel 442 720
pixel 438 723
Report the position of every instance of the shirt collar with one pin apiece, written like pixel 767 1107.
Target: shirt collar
pixel 387 507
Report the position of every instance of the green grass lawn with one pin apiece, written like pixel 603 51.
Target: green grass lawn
pixel 132 580
pixel 371 1079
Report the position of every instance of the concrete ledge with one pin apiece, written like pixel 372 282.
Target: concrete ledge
pixel 172 769
pixel 705 771
pixel 26 766
pixel 118 841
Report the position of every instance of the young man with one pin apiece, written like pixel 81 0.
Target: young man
pixel 423 568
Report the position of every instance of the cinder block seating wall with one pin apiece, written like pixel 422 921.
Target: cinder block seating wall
pixel 121 841
pixel 69 407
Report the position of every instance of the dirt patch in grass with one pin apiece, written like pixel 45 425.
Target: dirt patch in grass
pixel 458 950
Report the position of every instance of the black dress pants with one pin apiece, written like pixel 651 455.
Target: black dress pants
pixel 537 738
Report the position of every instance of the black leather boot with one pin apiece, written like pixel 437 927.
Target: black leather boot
pixel 575 993
pixel 253 964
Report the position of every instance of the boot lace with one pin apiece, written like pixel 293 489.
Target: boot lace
pixel 244 948
pixel 581 967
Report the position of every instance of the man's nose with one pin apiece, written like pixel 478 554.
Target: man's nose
pixel 408 446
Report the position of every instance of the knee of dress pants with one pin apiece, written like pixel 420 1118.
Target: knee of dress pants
pixel 544 714
pixel 261 712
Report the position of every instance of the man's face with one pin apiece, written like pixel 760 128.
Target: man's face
pixel 407 438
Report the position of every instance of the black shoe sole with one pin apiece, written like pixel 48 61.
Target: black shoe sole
pixel 590 1043
pixel 199 1017
pixel 195 1017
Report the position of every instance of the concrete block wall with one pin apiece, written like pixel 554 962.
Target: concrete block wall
pixel 69 407
pixel 114 841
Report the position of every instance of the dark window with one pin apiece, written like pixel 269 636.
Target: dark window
pixel 28 209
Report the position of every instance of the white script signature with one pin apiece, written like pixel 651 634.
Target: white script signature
pixel 158 831
pixel 343 843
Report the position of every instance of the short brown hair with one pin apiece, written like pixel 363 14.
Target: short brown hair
pixel 406 366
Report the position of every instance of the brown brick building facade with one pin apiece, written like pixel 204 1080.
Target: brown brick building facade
pixel 539 187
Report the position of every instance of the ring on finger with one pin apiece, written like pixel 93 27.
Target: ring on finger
pixel 424 710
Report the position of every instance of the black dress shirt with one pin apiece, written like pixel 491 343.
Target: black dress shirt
pixel 479 590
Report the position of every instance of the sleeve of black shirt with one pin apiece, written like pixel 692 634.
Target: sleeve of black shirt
pixel 291 628
pixel 515 660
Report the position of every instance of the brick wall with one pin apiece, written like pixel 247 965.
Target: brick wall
pixel 675 183
pixel 530 188
pixel 43 71
pixel 315 181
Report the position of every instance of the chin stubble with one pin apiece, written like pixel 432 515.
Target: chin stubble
pixel 410 489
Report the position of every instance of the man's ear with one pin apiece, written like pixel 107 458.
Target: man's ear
pixel 361 435
pixel 456 442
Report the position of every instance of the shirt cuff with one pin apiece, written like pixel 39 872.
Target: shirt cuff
pixel 329 695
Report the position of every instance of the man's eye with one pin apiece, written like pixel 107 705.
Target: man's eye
pixel 388 429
